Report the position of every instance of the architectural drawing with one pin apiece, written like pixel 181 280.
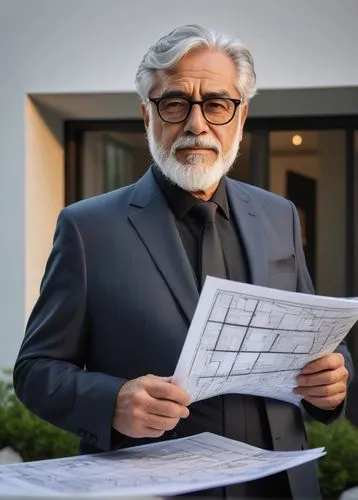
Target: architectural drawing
pixel 164 468
pixel 251 340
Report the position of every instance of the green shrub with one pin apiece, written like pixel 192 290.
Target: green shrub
pixel 338 469
pixel 30 436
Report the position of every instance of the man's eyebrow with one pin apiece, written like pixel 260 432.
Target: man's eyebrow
pixel 175 93
pixel 213 95
pixel 207 95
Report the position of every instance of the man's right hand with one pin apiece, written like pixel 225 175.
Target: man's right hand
pixel 148 406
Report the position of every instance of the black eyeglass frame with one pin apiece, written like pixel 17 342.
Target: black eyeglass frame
pixel 158 100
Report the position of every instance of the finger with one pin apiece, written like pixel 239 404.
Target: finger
pixel 156 377
pixel 152 433
pixel 160 423
pixel 159 389
pixel 328 362
pixel 166 408
pixel 321 390
pixel 326 403
pixel 323 378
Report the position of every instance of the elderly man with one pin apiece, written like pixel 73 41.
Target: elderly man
pixel 124 276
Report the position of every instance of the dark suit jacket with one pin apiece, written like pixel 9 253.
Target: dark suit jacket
pixel 117 299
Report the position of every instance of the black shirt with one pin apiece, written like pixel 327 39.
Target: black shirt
pixel 181 202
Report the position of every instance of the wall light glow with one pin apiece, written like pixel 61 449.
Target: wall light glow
pixel 297 140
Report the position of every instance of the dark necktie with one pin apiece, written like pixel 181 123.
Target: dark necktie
pixel 211 258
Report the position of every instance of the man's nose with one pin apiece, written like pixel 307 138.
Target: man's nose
pixel 196 123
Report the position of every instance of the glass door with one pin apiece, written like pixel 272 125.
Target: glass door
pixel 309 168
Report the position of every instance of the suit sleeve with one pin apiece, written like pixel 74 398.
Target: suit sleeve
pixel 304 285
pixel 49 374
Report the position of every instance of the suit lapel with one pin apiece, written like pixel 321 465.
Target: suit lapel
pixel 251 231
pixel 155 225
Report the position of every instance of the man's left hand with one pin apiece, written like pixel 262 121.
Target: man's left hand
pixel 323 382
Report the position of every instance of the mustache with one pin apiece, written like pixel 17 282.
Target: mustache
pixel 196 142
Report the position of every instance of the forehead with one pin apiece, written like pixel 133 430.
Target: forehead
pixel 199 72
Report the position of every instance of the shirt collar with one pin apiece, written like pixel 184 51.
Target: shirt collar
pixel 181 201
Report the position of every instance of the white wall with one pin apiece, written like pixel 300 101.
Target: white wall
pixel 96 45
pixel 55 46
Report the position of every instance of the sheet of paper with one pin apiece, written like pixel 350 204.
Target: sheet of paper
pixel 166 468
pixel 254 340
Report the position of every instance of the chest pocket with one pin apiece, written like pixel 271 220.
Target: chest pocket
pixel 282 274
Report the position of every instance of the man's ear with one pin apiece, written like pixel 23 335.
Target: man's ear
pixel 145 113
pixel 244 110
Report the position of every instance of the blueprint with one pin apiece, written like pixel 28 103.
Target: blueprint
pixel 165 468
pixel 253 340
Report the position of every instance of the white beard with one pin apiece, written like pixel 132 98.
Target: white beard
pixel 192 176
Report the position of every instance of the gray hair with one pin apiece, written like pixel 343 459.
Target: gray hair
pixel 172 47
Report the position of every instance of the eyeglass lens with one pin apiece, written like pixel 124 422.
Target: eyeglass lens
pixel 177 109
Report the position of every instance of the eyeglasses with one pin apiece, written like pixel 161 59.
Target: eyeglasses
pixel 217 111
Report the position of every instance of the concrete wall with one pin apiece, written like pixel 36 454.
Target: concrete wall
pixel 85 46
pixel 44 192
